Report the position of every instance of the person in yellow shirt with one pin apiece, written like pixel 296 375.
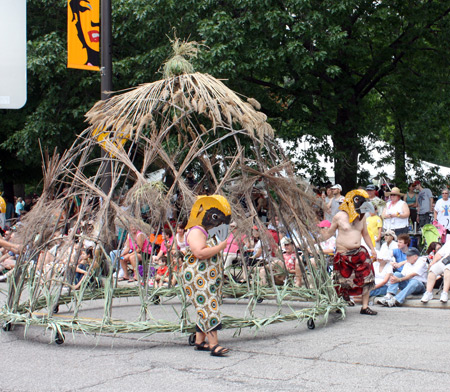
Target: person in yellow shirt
pixel 374 226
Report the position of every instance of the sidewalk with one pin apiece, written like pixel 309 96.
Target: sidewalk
pixel 414 302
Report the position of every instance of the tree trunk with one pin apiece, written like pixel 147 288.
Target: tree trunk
pixel 8 189
pixel 346 149
pixel 400 160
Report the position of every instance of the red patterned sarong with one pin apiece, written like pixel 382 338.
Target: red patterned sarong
pixel 353 273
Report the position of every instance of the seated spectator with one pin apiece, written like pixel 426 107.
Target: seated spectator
pixel 399 254
pixel 390 243
pixel 446 287
pixel 177 265
pixel 82 269
pixel 411 280
pixel 180 237
pixel 280 268
pixel 11 249
pixel 162 273
pixel 432 250
pixel 137 244
pixel 257 250
pixel 231 250
pixel 383 272
pixel 438 265
pixel 166 245
pixel 273 227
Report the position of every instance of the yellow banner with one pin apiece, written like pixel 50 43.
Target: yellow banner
pixel 83 34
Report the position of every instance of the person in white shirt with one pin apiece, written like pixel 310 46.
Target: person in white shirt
pixel 396 213
pixel 411 281
pixel 389 244
pixel 438 267
pixel 442 210
pixel 383 271
pixel 335 201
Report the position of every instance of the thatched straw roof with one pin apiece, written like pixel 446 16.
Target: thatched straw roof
pixel 180 101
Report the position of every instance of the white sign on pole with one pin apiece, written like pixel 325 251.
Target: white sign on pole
pixel 13 54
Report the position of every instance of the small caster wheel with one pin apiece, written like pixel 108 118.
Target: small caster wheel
pixel 56 309
pixel 311 324
pixel 191 339
pixel 156 300
pixel 59 338
pixel 259 300
pixel 7 327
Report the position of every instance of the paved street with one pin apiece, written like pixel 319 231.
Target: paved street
pixel 400 349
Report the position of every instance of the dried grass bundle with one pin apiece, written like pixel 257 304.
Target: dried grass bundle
pixel 185 122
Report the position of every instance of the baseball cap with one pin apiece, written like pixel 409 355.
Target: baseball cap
pixel 413 252
pixel 371 187
pixel 324 223
pixel 336 186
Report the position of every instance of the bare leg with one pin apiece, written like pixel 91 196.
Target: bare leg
pixel 134 262
pixel 298 275
pixel 124 265
pixel 365 300
pixel 200 337
pixel 214 341
pixel 446 281
pixel 431 281
pixel 262 275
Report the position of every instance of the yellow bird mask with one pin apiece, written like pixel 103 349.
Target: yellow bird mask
pixel 209 212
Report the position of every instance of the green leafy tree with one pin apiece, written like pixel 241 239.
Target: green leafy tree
pixel 344 70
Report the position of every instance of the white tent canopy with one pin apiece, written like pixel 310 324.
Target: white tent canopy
pixel 304 145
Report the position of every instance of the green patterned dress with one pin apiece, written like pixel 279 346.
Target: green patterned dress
pixel 202 283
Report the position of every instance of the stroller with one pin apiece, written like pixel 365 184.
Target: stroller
pixel 430 233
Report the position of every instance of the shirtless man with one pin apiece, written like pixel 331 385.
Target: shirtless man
pixel 352 264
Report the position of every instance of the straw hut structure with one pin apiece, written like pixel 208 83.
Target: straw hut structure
pixel 201 137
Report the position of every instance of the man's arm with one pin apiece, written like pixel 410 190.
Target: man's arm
pixel 331 230
pixel 395 279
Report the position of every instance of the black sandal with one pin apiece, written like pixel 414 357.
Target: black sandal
pixel 203 346
pixel 368 311
pixel 219 353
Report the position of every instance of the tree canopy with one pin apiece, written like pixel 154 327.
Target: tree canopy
pixel 349 70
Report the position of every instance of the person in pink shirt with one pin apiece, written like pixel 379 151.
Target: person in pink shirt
pixel 166 245
pixel 279 268
pixel 137 243
pixel 231 251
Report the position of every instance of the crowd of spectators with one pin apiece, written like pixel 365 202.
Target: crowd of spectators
pixel 395 228
pixel 400 269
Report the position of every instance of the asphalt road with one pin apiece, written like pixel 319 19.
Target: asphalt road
pixel 400 349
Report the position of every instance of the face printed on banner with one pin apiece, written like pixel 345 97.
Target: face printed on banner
pixel 86 20
pixel 90 24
